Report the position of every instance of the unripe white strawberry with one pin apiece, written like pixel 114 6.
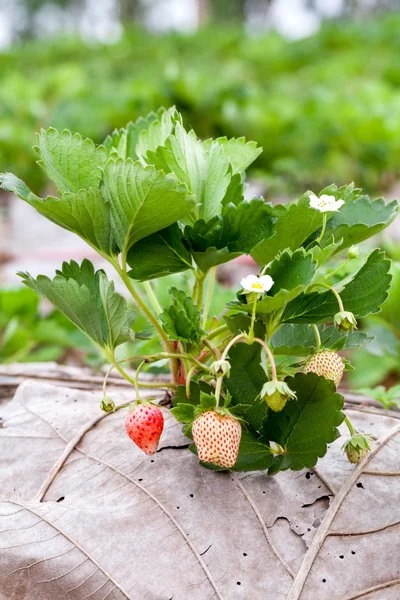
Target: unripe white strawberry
pixel 327 364
pixel 217 438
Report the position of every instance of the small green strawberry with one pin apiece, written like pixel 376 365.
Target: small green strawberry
pixel 345 321
pixel 357 447
pixel 276 394
pixel 107 404
pixel 327 364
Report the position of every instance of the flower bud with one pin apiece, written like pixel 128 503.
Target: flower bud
pixel 220 367
pixel 276 394
pixel 345 321
pixel 354 252
pixel 107 404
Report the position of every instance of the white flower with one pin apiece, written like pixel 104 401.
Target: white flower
pixel 254 283
pixel 325 203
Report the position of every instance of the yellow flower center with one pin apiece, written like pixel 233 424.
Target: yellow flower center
pixel 257 286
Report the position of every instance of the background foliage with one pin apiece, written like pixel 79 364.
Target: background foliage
pixel 325 108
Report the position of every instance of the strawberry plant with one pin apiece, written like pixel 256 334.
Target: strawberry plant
pixel 255 387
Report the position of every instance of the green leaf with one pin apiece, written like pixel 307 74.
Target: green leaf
pixel 159 254
pixel 305 426
pixel 181 321
pixel 254 455
pixel 299 340
pixel 229 235
pixel 235 191
pixel 293 226
pixel 87 299
pixel 84 213
pixel 322 255
pixel 239 152
pixel 72 162
pixel 196 388
pixel 246 378
pixel 142 200
pixel 362 296
pixel 157 132
pixel 359 220
pixel 183 413
pixel 124 141
pixel 204 172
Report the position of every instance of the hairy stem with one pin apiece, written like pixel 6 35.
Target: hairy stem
pixel 137 379
pixel 209 296
pixel 334 292
pixel 200 279
pixel 270 357
pixel 152 297
pixel 150 317
pixel 324 220
pixel 349 426
pixel 317 335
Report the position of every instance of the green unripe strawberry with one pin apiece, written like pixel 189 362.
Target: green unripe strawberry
pixel 276 394
pixel 357 447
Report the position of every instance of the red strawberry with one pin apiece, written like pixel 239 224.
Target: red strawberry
pixel 144 425
pixel 328 364
pixel 217 438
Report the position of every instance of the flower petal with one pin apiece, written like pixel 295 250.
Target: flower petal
pixel 267 282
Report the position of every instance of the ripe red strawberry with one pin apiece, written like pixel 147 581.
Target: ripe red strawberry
pixel 217 438
pixel 328 364
pixel 144 425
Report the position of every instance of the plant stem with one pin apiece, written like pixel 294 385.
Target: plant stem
pixel 213 348
pixel 152 297
pixel 270 356
pixel 200 279
pixel 215 332
pixel 334 292
pixel 317 335
pixel 188 380
pixel 218 386
pixel 324 220
pixel 253 319
pixel 231 343
pixel 336 270
pixel 210 290
pixel 153 320
pixel 137 379
pixel 349 426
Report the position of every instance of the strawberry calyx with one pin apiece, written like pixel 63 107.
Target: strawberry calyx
pixel 276 394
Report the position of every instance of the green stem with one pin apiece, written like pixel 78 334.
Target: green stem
pixel 218 386
pixel 153 320
pixel 215 332
pixel 188 380
pixel 334 292
pixel 270 357
pixel 213 348
pixel 349 426
pixel 152 297
pixel 200 278
pixel 336 270
pixel 324 221
pixel 137 379
pixel 317 335
pixel 253 319
pixel 209 296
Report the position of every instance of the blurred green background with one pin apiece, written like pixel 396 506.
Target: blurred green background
pixel 317 84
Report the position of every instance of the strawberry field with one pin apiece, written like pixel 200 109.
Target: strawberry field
pixel 212 298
